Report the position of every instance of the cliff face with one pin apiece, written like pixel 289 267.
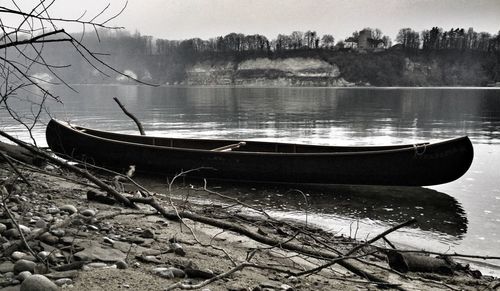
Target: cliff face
pixel 266 72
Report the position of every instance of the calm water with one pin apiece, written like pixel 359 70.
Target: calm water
pixel 462 216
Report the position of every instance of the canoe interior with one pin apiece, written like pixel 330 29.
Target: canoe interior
pixel 250 146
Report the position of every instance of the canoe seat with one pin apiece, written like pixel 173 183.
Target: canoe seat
pixel 229 147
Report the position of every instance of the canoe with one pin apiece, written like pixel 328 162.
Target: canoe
pixel 399 165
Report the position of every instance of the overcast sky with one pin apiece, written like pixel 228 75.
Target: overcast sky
pixel 182 19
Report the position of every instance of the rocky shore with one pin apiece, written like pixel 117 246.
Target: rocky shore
pixel 76 238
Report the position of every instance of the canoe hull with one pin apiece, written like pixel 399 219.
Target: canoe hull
pixel 407 166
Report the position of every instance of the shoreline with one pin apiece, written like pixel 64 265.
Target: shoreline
pixel 144 242
pixel 289 87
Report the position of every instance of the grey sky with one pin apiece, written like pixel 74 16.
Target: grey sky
pixel 182 19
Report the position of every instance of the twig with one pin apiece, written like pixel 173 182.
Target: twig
pixel 14 168
pixel 93 179
pixel 3 191
pixel 358 247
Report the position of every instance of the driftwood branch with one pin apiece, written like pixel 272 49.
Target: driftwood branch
pixel 137 122
pixel 119 197
pixel 302 249
pixel 14 168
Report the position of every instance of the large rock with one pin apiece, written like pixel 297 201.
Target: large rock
pixel 38 283
pixel 24 265
pixel 98 252
pixel 6 267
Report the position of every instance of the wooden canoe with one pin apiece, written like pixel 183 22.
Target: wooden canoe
pixel 401 165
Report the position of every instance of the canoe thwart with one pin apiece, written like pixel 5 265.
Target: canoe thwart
pixel 229 147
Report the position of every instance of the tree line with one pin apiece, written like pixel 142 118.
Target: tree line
pixel 456 38
pixel 435 38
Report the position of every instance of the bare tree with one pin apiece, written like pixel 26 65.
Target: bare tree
pixel 26 36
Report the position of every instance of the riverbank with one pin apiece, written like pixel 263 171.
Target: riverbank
pixel 114 248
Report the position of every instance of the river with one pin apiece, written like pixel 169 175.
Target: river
pixel 462 216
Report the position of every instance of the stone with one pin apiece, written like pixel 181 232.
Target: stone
pixel 92 227
pixel 63 274
pixel 97 252
pixel 23 275
pixel 18 255
pixel 43 254
pixel 53 210
pixel 68 208
pixel 58 232
pixel 11 233
pixel 88 212
pixel 9 275
pixel 122 265
pixel 63 281
pixel 96 265
pixel 163 272
pixel 40 223
pixel 48 238
pixel 148 234
pixel 237 287
pixel 38 283
pixel 177 249
pixel 6 267
pixel 178 273
pixel 108 240
pixel 24 265
pixel 3 228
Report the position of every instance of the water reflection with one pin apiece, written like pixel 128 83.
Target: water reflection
pixel 435 211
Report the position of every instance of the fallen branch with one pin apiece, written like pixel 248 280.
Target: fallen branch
pixel 14 168
pixel 122 199
pixel 137 122
pixel 20 153
pixel 302 249
pixel 358 247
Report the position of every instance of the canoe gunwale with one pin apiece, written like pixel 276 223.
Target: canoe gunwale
pixel 416 147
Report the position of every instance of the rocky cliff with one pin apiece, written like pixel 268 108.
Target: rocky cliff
pixel 266 72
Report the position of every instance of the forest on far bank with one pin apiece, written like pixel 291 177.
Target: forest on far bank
pixel 434 57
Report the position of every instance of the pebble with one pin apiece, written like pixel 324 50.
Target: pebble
pixel 24 265
pixel 41 223
pixel 43 254
pixel 11 233
pixel 63 281
pixel 177 249
pixel 164 273
pixel 38 283
pixel 68 208
pixel 92 227
pixel 53 210
pixel 178 273
pixel 148 234
pixel 108 240
pixel 96 265
pixel 286 287
pixel 121 264
pixel 3 228
pixel 6 267
pixel 18 255
pixel 23 275
pixel 88 212
pixel 48 238
pixel 58 232
pixel 237 287
pixel 24 229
